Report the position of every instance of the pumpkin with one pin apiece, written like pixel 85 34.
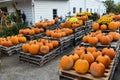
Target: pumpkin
pixel 50 45
pixel 97 69
pixel 81 66
pixel 44 49
pixel 25 47
pixel 14 40
pixel 44 41
pixel 115 35
pixel 80 22
pixel 37 24
pixel 74 25
pixel 112 26
pixel 40 44
pixel 87 56
pixel 34 49
pixel 103 27
pixel 91 49
pixel 31 32
pixel 95 26
pixel 93 40
pixel 55 43
pixel 44 25
pixel 7 43
pixel 66 62
pixel 68 24
pixel 104 59
pixel 109 51
pixel 79 50
pixel 74 57
pixel 111 37
pixel 105 40
pixel 22 39
pixel 48 33
pixel 41 30
pixel 62 25
pixel 85 39
pixel 21 31
pixel 96 54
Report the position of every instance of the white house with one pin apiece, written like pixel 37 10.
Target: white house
pixel 48 9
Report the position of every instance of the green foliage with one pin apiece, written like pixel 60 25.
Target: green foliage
pixel 12 31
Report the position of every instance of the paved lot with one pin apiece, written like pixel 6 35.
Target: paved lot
pixel 12 69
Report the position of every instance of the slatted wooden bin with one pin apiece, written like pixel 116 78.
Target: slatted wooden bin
pixel 73 75
pixel 10 50
pixel 39 59
pixel 35 36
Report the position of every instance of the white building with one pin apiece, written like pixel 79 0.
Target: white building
pixel 35 9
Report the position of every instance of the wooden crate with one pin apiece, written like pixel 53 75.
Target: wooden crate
pixel 73 75
pixel 88 23
pixel 107 31
pixel 39 59
pixel 77 29
pixel 10 50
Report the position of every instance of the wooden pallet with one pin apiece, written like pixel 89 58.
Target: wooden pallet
pixel 88 23
pixel 114 45
pixel 73 75
pixel 38 59
pixel 38 36
pixel 10 50
pixel 107 31
pixel 77 29
pixel 63 39
pixel 78 40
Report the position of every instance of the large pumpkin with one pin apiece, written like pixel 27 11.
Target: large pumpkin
pixel 97 69
pixel 34 49
pixel 104 59
pixel 81 66
pixel 66 62
pixel 93 40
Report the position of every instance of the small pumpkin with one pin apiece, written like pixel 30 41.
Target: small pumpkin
pixel 103 27
pixel 55 43
pixel 96 54
pixel 97 69
pixel 93 40
pixel 31 32
pixel 112 26
pixel 95 26
pixel 25 47
pixel 105 40
pixel 14 40
pixel 91 49
pixel 66 62
pixel 74 57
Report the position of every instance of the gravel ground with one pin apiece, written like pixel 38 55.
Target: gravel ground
pixel 12 69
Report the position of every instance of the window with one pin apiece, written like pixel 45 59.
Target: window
pixel 54 13
pixel 91 10
pixel 74 9
pixel 80 9
pixel 87 9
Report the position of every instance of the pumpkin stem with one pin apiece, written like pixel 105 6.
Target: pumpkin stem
pixel 82 57
pixel 103 54
pixel 85 51
pixel 97 61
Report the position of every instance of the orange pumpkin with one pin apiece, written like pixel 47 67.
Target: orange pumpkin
pixel 22 39
pixel 66 62
pixel 103 27
pixel 97 69
pixel 56 20
pixel 95 26
pixel 55 43
pixel 112 26
pixel 14 40
pixel 50 45
pixel 96 54
pixel 81 66
pixel 85 39
pixel 105 40
pixel 48 33
pixel 104 59
pixel 115 35
pixel 74 57
pixel 44 49
pixel 68 24
pixel 91 49
pixel 87 56
pixel 34 49
pixel 31 32
pixel 74 25
pixel 93 40
pixel 62 25
pixel 25 47
pixel 109 51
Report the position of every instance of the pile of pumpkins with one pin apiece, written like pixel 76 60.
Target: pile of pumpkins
pixel 12 40
pixel 58 33
pixel 46 23
pixel 105 39
pixel 31 31
pixel 88 59
pixel 110 26
pixel 42 46
pixel 72 23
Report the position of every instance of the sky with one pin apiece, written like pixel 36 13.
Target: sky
pixel 116 1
